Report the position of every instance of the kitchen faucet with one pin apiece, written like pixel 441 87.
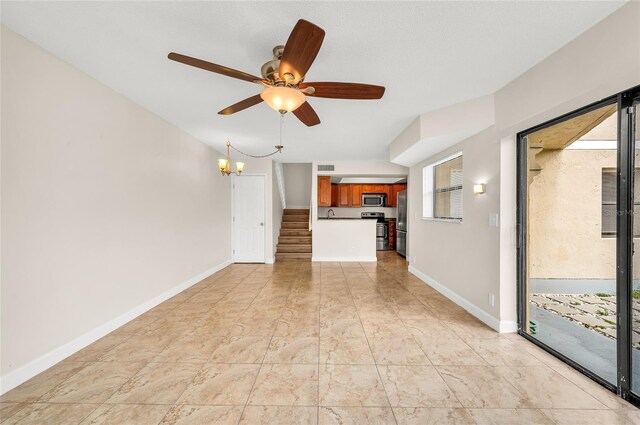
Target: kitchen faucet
pixel 332 212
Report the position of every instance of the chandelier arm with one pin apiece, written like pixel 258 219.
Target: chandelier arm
pixel 279 150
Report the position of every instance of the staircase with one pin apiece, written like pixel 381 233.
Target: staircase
pixel 294 243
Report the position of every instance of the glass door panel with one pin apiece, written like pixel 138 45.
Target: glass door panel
pixel 570 293
pixel 635 289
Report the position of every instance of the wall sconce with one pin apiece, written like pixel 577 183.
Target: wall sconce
pixel 479 188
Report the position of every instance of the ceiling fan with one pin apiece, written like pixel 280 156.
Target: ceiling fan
pixel 283 76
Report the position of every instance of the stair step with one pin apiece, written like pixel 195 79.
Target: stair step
pixel 293 248
pixel 295 218
pixel 293 256
pixel 294 211
pixel 295 225
pixel 294 232
pixel 284 239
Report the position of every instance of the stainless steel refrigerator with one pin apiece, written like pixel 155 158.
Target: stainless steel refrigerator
pixel 401 224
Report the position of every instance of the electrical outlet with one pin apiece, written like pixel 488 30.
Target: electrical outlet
pixel 492 299
pixel 413 259
pixel 493 220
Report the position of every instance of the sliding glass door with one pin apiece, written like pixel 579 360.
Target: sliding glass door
pixel 630 120
pixel 579 294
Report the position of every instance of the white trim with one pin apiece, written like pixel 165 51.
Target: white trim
pixel 508 327
pixel 280 179
pixel 233 188
pixel 23 373
pixel 345 259
pixel 476 311
pixel 270 260
pixel 445 159
pixel 297 207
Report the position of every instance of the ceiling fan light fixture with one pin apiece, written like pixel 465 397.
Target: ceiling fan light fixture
pixel 283 99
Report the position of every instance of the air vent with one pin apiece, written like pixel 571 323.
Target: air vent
pixel 326 167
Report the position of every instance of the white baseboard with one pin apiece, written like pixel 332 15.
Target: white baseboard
pixel 270 260
pixel 24 373
pixel 489 320
pixel 345 259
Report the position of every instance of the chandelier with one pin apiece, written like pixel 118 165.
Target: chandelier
pixel 225 163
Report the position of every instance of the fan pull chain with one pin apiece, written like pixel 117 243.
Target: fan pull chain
pixel 281 122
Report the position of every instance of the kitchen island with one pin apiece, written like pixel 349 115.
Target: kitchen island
pixel 344 239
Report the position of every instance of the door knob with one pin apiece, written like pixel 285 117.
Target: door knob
pixel 261 224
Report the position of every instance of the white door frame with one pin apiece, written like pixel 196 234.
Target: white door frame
pixel 233 244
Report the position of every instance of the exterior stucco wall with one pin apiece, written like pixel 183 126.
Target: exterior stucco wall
pixel 565 217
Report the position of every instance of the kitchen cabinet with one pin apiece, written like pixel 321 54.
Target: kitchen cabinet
pixel 392 235
pixel 356 195
pixel 344 195
pixel 350 195
pixel 373 188
pixel 334 195
pixel 324 191
pixel 392 201
pixel 392 198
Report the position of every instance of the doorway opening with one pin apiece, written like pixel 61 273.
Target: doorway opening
pixel 579 297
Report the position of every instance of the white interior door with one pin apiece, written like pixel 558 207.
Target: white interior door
pixel 249 219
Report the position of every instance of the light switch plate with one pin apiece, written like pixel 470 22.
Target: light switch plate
pixel 493 220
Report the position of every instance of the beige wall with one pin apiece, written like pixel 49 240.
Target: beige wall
pixel 565 216
pixel 465 257
pixel 104 207
pixel 297 183
pixel 599 63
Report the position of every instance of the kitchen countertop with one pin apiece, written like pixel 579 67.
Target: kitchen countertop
pixel 342 218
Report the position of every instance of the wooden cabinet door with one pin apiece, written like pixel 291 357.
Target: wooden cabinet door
pixel 344 195
pixel 324 191
pixel 356 195
pixel 398 187
pixel 368 188
pixel 392 235
pixel 334 195
pixel 391 196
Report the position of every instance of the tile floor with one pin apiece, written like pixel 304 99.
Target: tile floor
pixel 303 343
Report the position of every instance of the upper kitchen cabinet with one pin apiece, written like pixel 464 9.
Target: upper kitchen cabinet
pixel 344 195
pixel 324 191
pixel 373 188
pixel 356 195
pixel 392 198
pixel 334 195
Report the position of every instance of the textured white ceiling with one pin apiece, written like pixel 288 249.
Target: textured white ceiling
pixel 427 54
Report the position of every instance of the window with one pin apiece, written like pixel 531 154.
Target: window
pixel 609 210
pixel 442 189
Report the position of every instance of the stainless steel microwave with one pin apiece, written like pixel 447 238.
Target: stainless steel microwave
pixel 374 200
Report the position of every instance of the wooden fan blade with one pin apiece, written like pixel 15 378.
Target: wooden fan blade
pixel 307 115
pixel 243 104
pixel 344 90
pixel 218 69
pixel 300 51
